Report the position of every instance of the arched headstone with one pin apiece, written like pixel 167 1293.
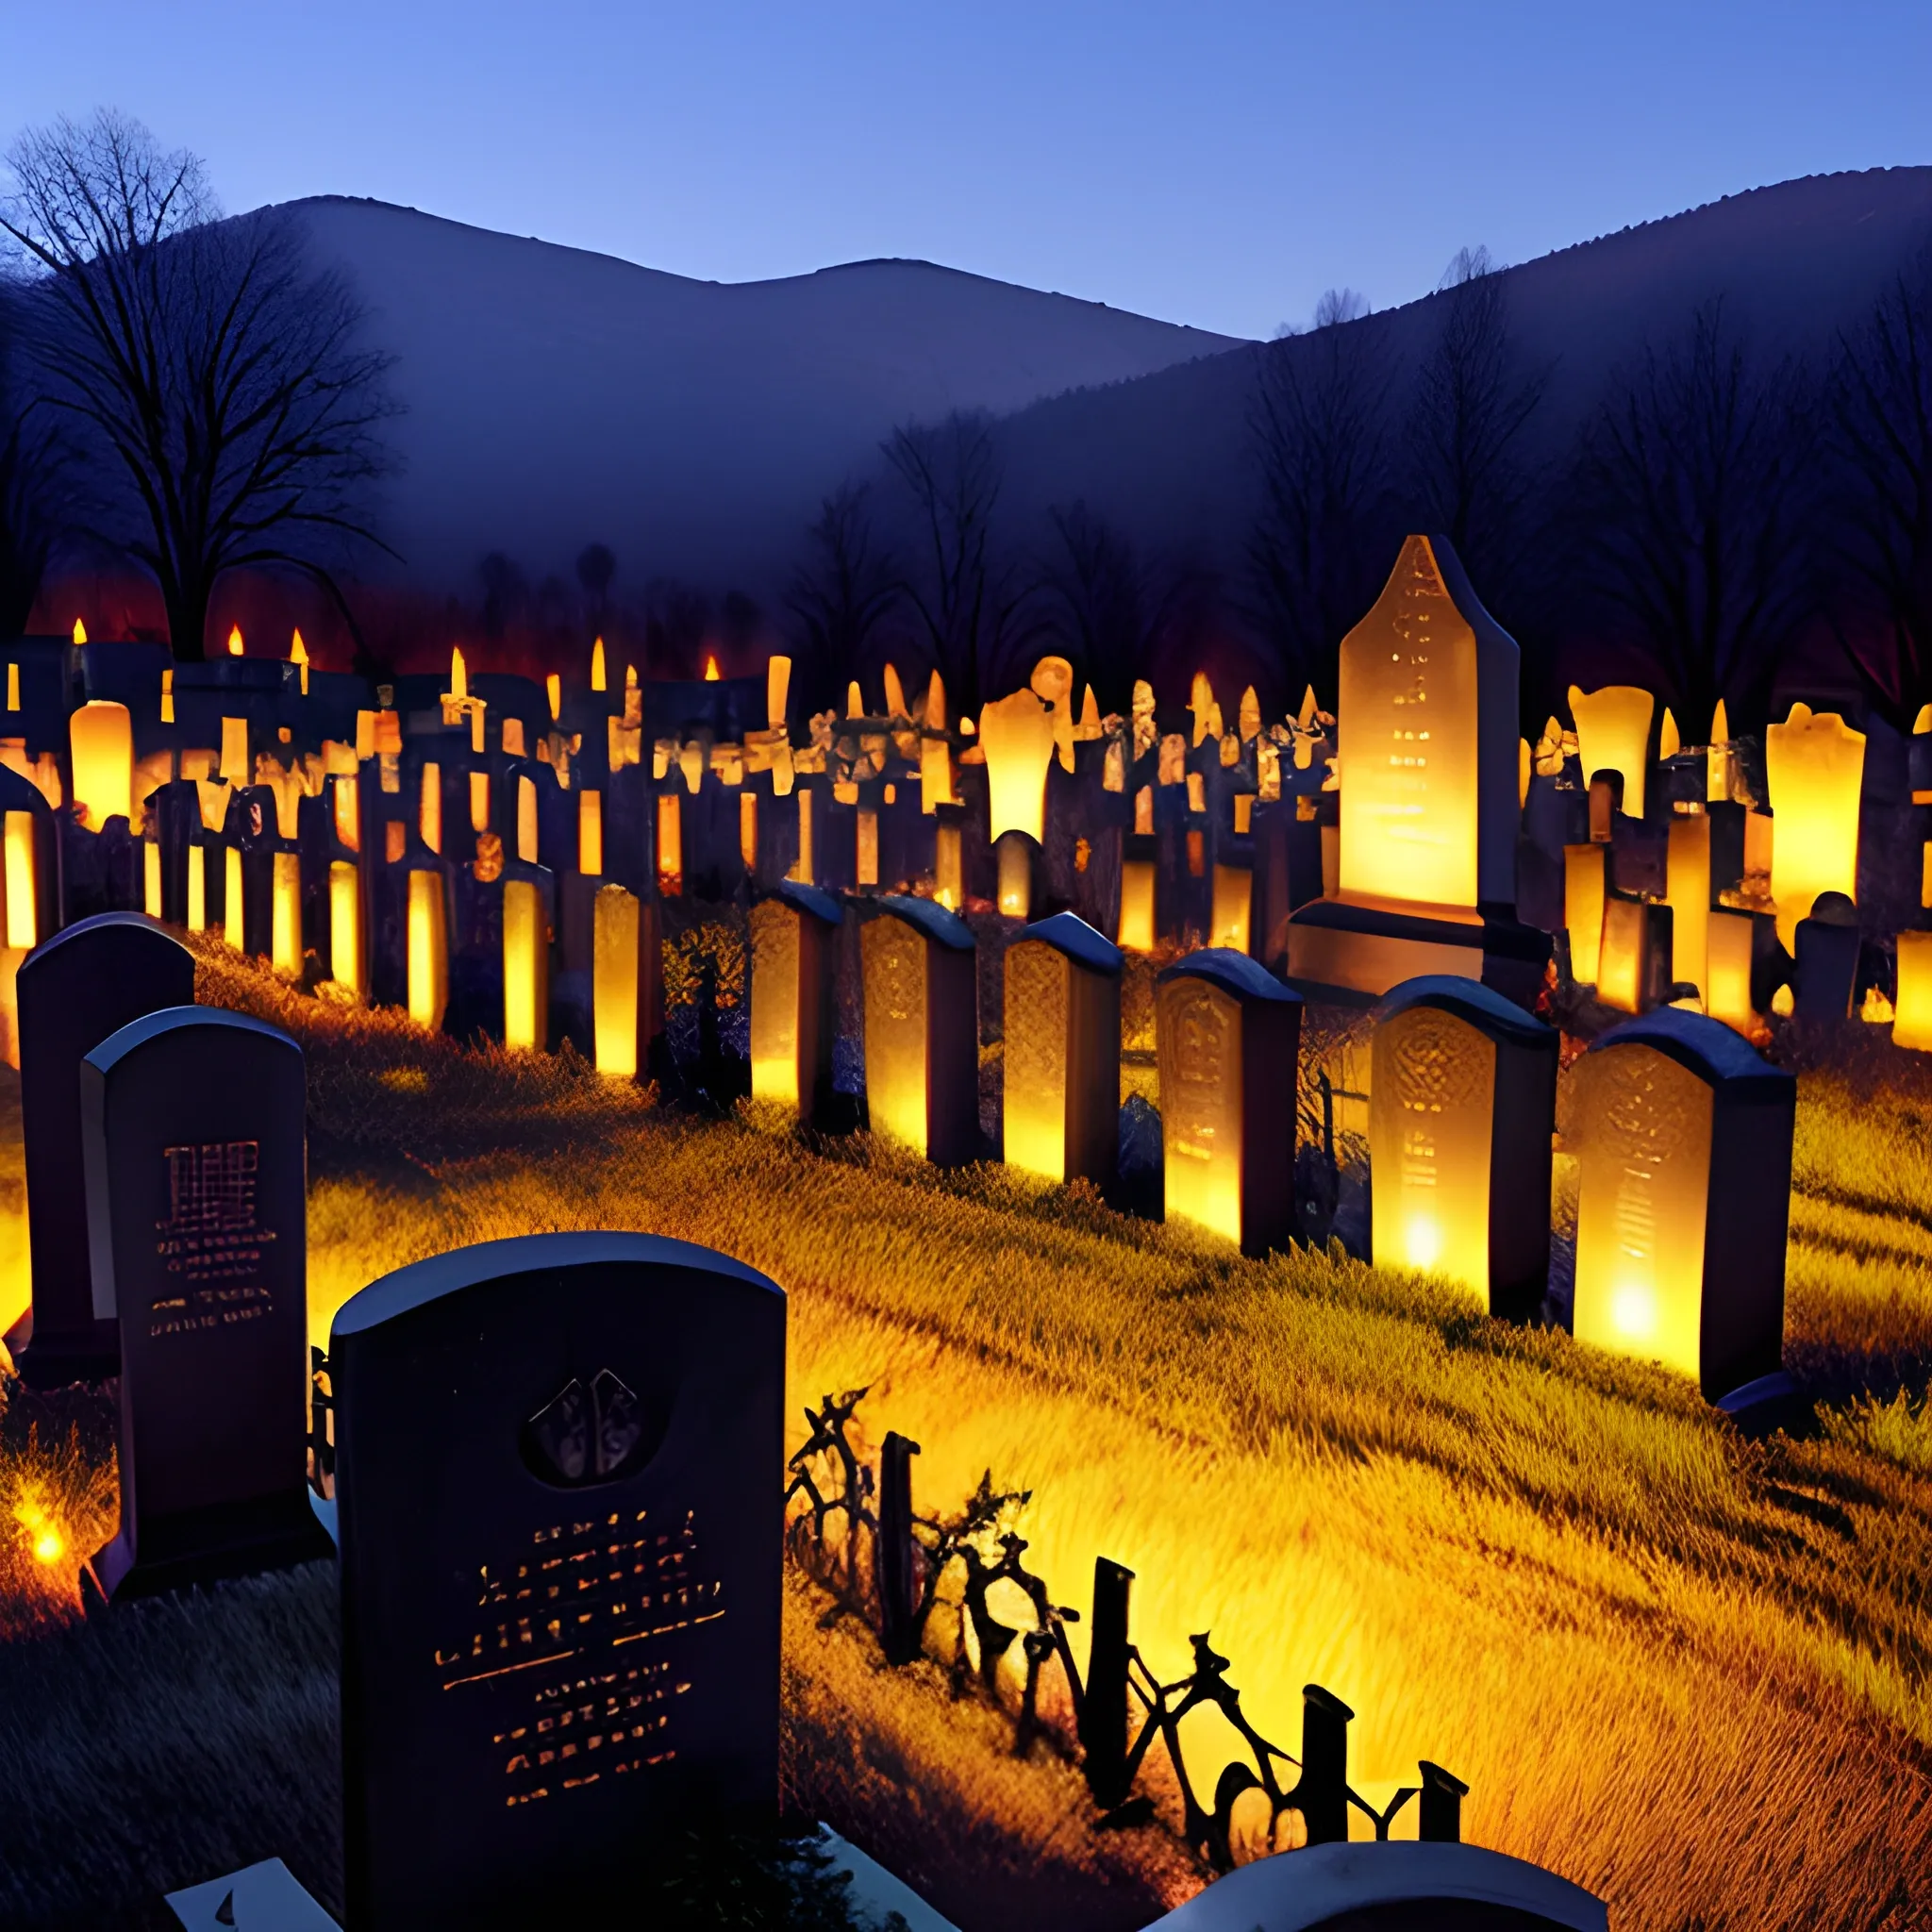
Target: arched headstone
pixel 794 1022
pixel 1684 1144
pixel 559 1463
pixel 193 1141
pixel 76 990
pixel 922 1029
pixel 1229 1036
pixel 1062 1051
pixel 1462 1100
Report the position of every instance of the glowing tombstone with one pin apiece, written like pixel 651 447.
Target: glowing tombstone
pixel 1815 767
pixel 1062 1051
pixel 1427 756
pixel 794 966
pixel 1462 1099
pixel 1912 1022
pixel 193 1147
pixel 921 1031
pixel 1614 735
pixel 85 983
pixel 1684 1149
pixel 510 1754
pixel 1017 736
pixel 1229 1036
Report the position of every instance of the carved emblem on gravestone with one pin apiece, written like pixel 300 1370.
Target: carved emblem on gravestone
pixel 1203 1115
pixel 594 1435
pixel 211 1235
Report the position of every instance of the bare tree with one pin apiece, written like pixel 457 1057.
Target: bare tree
pixel 1107 605
pixel 218 382
pixel 596 566
pixel 1473 399
pixel 1319 425
pixel 39 492
pixel 1693 487
pixel 970 603
pixel 1881 423
pixel 842 593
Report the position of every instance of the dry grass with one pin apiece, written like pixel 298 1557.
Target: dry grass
pixel 1687 1671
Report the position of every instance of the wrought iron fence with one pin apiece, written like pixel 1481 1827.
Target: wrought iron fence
pixel 886 1567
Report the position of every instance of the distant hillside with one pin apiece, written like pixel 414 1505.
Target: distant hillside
pixel 556 396
pixel 1168 458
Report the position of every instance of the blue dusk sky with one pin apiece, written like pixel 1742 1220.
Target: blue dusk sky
pixel 1217 164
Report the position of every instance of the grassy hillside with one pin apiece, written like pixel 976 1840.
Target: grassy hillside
pixel 1686 1669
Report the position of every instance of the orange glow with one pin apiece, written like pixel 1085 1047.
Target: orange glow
pixel 710 670
pixel 527 821
pixel 777 690
pixel 1198 1035
pixel 79 632
pixel 151 878
pixel 428 951
pixel 590 833
pixel 43 1534
pixel 22 913
pixel 1643 1144
pixel 1017 737
pixel 101 737
pixel 1620 972
pixel 298 655
pixel 232 927
pixel 1815 767
pixel 614 982
pixel 1583 910
pixel 167 692
pixel 479 801
pixel 198 888
pixel 167 688
pixel 748 830
pixel 430 808
pixel 1406 745
pixel 235 642
pixel 948 868
pixel 1015 879
pixel 235 751
pixel 598 681
pixel 345 926
pixel 1911 1023
pixel 868 846
pixel 285 939
pixel 524 957
pixel 1234 891
pixel 1727 960
pixel 935 773
pixel 670 842
pixel 459 675
pixel 1614 735
pixel 1688 878
pixel 1136 905
pixel 553 690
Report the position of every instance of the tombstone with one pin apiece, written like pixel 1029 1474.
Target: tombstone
pixel 921 1029
pixel 1062 1051
pixel 1229 1036
pixel 1827 958
pixel 794 1021
pixel 1429 803
pixel 74 990
pixel 194 1147
pixel 1462 1098
pixel 1416 1885
pixel 1634 956
pixel 1684 1147
pixel 559 1465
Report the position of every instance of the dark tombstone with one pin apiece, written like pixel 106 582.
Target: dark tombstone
pixel 1683 1139
pixel 1228 1035
pixel 76 990
pixel 558 1471
pixel 1826 950
pixel 192 1132
pixel 794 1026
pixel 1062 1051
pixel 1462 1098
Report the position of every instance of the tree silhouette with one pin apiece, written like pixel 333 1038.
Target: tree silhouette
pixel 1693 489
pixel 215 381
pixel 1880 421
pixel 841 593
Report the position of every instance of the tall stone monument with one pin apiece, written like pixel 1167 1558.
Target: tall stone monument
pixel 558 1471
pixel 1462 1100
pixel 1229 1036
pixel 1427 755
pixel 794 968
pixel 1684 1145
pixel 76 989
pixel 1062 1051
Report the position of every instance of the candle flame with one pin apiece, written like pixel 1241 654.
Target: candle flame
pixel 597 679
pixel 710 670
pixel 79 632
pixel 630 678
pixel 459 675
pixel 553 686
pixel 235 640
pixel 298 655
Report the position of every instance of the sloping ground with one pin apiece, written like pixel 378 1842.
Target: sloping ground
pixel 556 396
pixel 1685 1670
